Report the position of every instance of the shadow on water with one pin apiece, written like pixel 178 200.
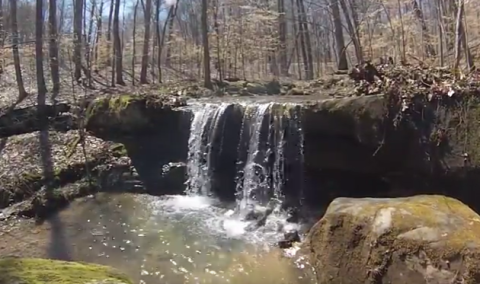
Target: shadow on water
pixel 58 248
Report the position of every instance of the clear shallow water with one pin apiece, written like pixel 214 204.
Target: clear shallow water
pixel 177 239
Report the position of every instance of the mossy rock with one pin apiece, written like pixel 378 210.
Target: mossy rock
pixel 419 239
pixel 125 110
pixel 40 271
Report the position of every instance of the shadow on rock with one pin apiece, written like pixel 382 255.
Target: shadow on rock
pixel 152 157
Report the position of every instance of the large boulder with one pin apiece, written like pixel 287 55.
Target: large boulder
pixel 419 239
pixel 39 271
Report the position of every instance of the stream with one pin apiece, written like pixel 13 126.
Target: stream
pixel 174 239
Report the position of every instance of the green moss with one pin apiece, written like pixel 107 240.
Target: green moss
pixel 39 271
pixel 119 103
pixel 31 177
pixel 113 105
pixel 119 150
pixel 434 211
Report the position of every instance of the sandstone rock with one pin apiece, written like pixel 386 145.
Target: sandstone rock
pixel 420 239
pixel 39 271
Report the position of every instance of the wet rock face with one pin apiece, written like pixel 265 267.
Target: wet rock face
pixel 420 239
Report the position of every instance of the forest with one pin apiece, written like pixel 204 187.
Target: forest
pixel 55 44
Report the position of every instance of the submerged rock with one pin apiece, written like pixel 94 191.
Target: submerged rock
pixel 40 271
pixel 258 216
pixel 420 239
pixel 289 238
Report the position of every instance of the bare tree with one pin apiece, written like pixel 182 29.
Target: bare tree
pixel 77 30
pixel 117 45
pixel 351 22
pixel 42 89
pixel 162 42
pixel 170 20
pixel 2 34
pixel 22 93
pixel 146 42
pixel 430 51
pixel 99 32
pixel 134 56
pixel 282 38
pixel 53 47
pixel 206 52
pixel 340 42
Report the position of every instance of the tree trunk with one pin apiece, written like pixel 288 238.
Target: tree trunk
pixel 16 56
pixel 216 28
pixel 146 42
pixel 162 43
pixel 308 45
pixel 303 44
pixel 109 33
pixel 53 47
pixel 99 33
pixel 460 36
pixel 340 42
pixel 90 42
pixel 403 55
pixel 297 35
pixel 134 51
pixel 282 38
pixel 170 33
pixel 61 17
pixel 117 45
pixel 157 35
pixel 2 26
pixel 77 29
pixel 352 30
pixel 2 35
pixel 206 51
pixel 42 89
pixel 430 51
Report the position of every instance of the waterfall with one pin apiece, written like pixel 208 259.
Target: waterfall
pixel 269 152
pixel 254 184
pixel 204 126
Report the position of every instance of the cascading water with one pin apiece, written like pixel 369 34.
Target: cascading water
pixel 269 155
pixel 204 126
pixel 253 185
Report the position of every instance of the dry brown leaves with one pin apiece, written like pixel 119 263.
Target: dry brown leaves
pixel 22 154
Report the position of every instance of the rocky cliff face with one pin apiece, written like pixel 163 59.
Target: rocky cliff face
pixel 416 132
pixel 376 145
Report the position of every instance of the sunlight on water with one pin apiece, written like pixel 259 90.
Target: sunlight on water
pixel 175 239
pixel 181 202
